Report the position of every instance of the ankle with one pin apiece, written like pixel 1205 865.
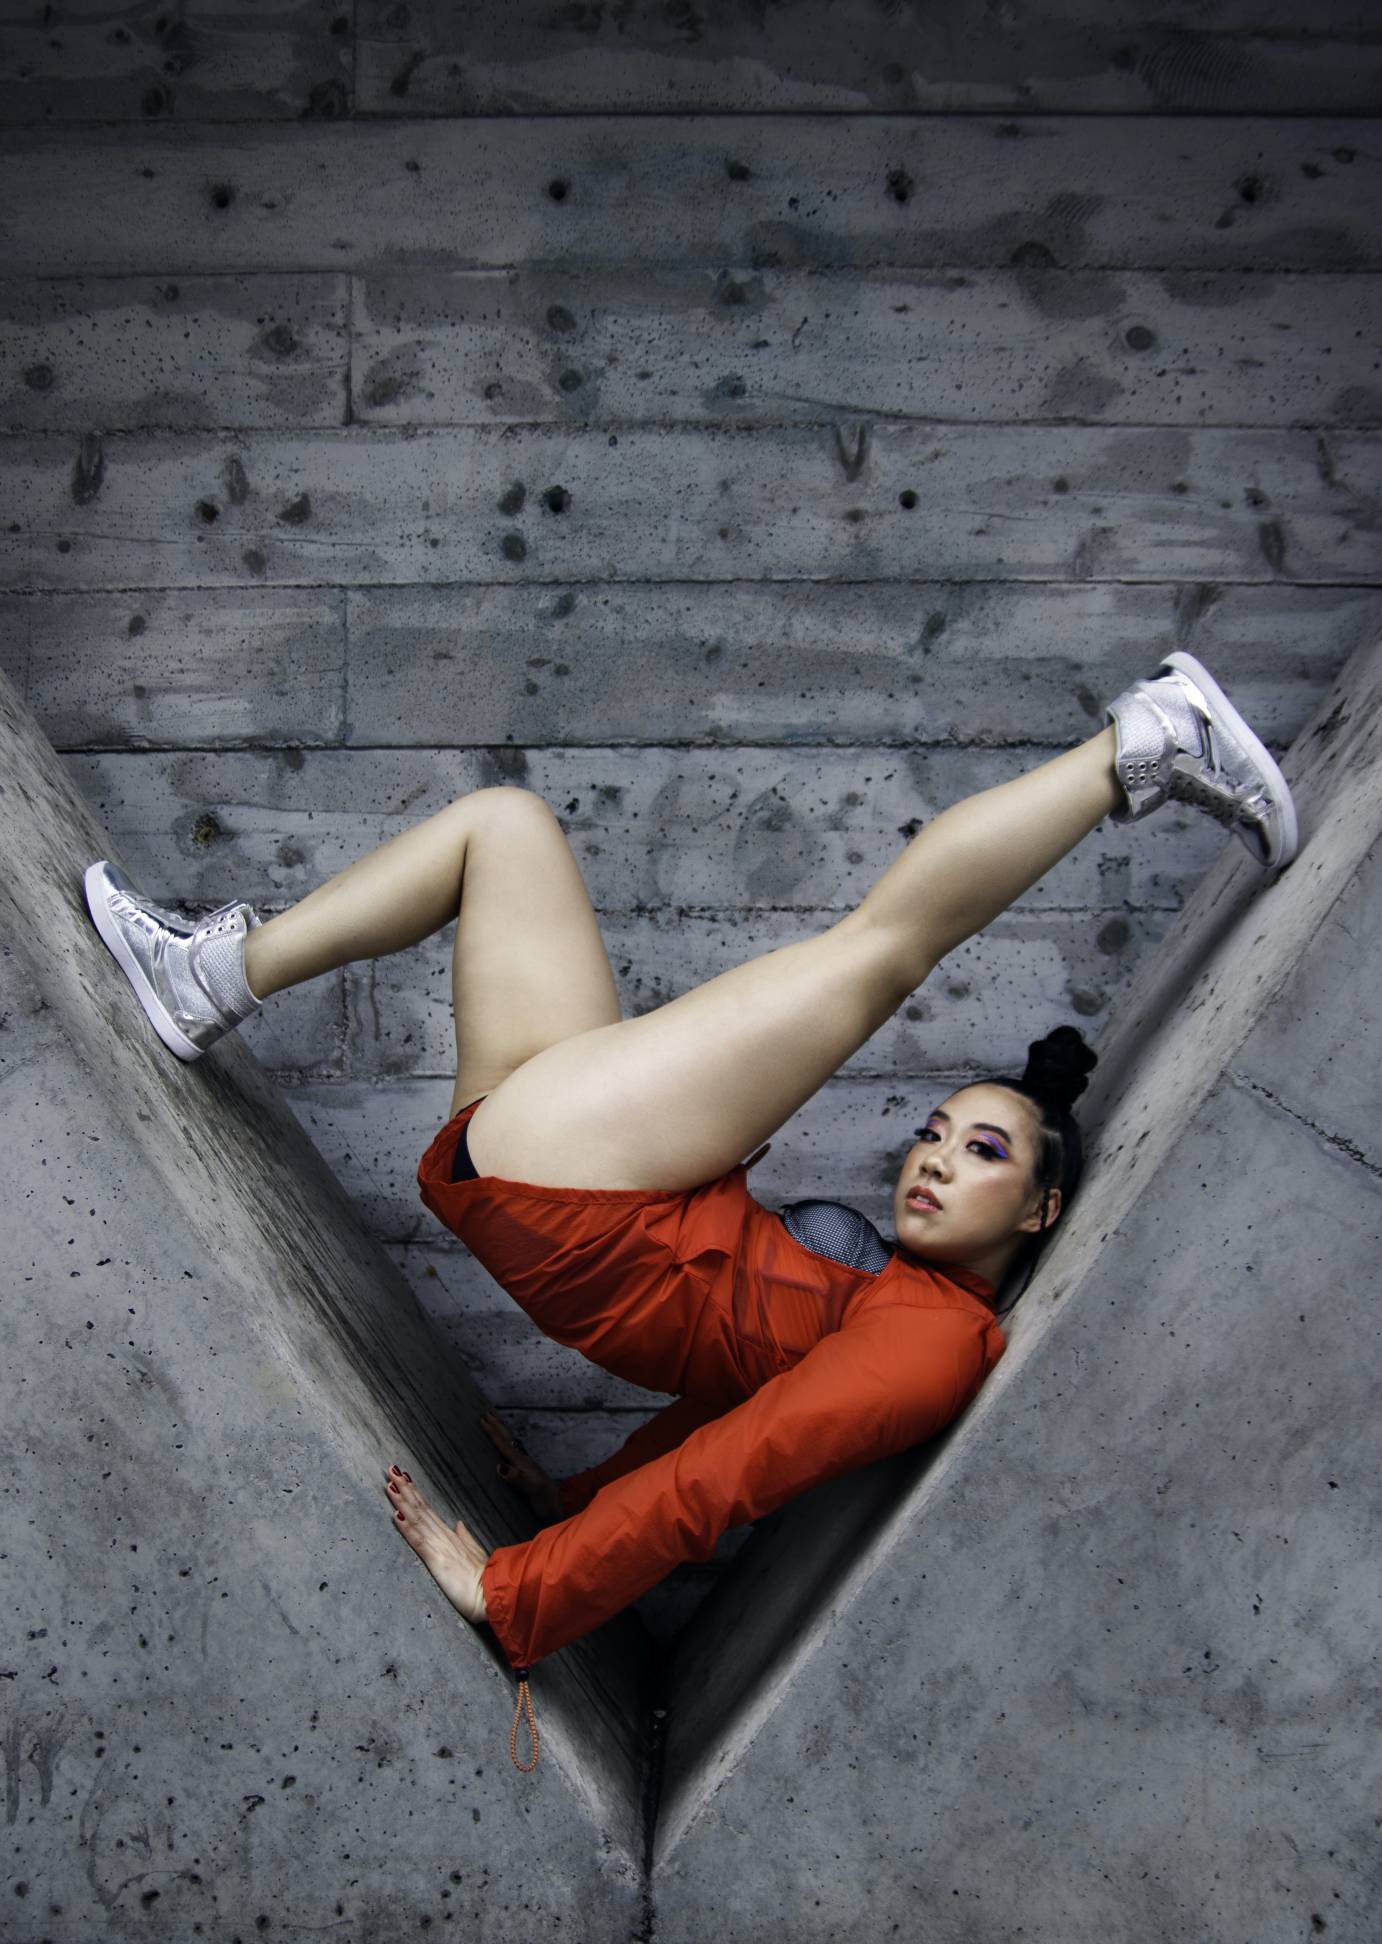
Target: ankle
pixel 256 972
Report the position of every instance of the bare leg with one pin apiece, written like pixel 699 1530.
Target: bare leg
pixel 677 1096
pixel 528 967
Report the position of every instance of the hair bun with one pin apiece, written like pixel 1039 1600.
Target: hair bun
pixel 1057 1066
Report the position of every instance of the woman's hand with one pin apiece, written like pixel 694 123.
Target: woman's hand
pixel 452 1554
pixel 521 1471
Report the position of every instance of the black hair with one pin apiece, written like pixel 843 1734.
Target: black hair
pixel 1055 1076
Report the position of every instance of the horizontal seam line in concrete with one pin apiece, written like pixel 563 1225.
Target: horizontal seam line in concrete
pixel 367 431
pixel 662 742
pixel 1339 1142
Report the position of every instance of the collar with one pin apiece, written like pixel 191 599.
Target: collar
pixel 968 1279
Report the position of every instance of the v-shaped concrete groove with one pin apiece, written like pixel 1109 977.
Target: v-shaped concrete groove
pixel 343 1323
pixel 1192 1004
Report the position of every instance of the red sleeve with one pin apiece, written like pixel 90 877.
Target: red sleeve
pixel 891 1379
pixel 661 1432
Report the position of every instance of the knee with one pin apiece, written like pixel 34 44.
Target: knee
pixel 513 802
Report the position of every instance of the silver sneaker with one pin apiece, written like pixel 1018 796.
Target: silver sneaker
pixel 189 978
pixel 1179 736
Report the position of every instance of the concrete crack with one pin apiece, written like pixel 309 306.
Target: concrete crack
pixel 1339 1141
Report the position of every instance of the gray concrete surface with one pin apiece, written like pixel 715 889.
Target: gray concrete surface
pixel 230 1689
pixel 1102 1660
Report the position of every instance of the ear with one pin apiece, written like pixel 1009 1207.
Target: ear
pixel 1032 1222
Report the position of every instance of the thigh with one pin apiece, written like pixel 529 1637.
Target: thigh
pixel 676 1097
pixel 529 966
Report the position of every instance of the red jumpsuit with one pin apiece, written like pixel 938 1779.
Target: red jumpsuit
pixel 788 1368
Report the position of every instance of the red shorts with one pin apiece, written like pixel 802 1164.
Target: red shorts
pixel 664 1288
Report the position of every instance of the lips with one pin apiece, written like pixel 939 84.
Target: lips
pixel 922 1198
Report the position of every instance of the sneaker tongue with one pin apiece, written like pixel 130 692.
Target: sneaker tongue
pixel 225 911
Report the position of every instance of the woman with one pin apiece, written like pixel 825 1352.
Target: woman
pixel 592 1163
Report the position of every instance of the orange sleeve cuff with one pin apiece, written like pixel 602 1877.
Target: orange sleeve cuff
pixel 497 1582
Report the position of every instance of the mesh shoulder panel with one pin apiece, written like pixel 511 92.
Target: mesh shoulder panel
pixel 830 1229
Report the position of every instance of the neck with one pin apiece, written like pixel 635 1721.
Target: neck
pixel 992 1264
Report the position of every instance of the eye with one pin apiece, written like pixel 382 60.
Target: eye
pixel 994 1154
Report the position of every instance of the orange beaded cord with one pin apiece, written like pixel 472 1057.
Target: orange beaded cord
pixel 525 1698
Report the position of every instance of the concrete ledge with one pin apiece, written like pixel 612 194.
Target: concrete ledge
pixel 820 1652
pixel 183 1246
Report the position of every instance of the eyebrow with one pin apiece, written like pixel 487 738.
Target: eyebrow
pixel 989 1127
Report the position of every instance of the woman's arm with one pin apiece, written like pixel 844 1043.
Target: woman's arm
pixel 662 1432
pixel 891 1379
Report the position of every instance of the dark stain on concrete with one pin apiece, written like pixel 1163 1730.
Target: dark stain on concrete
pixel 1114 935
pixel 1088 701
pixel 774 850
pixel 1192 604
pixel 39 377
pixel 298 511
pixel 279 340
pixel 852 464
pixel 207 829
pixel 254 559
pixel 735 291
pixel 514 547
pixel 398 83
pixel 1271 539
pixel 389 379
pixel 559 319
pixel 237 484
pixel 562 606
pixel 1356 405
pixel 1054 292
pixel 1080 391
pixel 556 499
pixel 502 763
pixel 512 498
pixel 89 471
pixel 208 512
pixel 1332 723
pixel 327 101
pixel 1089 550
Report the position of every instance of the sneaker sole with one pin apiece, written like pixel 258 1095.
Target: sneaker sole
pixel 1277 786
pixel 105 923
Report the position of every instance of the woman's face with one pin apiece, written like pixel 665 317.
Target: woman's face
pixel 977 1156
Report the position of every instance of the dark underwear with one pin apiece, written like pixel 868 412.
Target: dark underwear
pixel 463 1168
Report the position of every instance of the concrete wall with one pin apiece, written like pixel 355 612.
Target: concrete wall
pixel 755 433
